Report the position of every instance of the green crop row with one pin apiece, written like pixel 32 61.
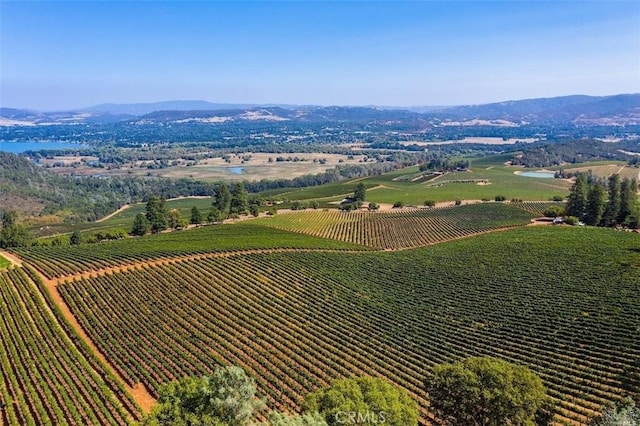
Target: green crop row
pixel 562 301
pixel 65 260
pixel 44 379
pixel 403 228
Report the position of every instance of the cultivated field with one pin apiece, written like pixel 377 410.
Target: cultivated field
pixel 473 140
pixel 59 261
pixel 561 302
pixel 47 375
pixel 606 170
pixel 402 229
pixel 302 298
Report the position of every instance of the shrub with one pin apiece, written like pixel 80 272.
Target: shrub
pixel 487 391
pixel 554 211
pixel 571 220
pixel 298 205
pixel 225 398
pixel 366 400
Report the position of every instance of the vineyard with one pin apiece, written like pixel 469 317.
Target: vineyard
pixel 405 228
pixel 47 378
pixel 563 302
pixel 536 208
pixel 65 260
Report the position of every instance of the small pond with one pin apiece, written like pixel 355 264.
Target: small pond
pixel 236 170
pixel 545 175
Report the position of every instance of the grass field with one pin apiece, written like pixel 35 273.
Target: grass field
pixel 560 300
pixel 238 167
pixel 606 170
pixel 124 219
pixel 497 179
pixel 4 263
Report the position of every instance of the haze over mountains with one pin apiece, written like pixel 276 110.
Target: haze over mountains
pixel 623 109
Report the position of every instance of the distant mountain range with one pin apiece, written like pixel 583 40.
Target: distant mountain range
pixel 579 110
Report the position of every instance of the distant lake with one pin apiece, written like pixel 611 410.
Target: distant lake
pixel 19 147
pixel 236 170
pixel 545 175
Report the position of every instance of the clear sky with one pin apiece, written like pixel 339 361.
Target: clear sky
pixel 60 55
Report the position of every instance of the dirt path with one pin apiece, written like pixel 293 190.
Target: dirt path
pixel 139 393
pixel 110 215
pixel 11 258
pixel 126 206
pixel 540 222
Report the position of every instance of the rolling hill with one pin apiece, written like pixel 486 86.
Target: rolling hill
pixel 623 109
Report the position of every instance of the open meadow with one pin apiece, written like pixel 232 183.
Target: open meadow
pixel 486 178
pixel 246 166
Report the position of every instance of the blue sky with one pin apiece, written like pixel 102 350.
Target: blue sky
pixel 59 55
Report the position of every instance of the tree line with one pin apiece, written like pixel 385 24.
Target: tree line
pixel 90 198
pixel 574 151
pixel 228 202
pixel 12 233
pixel 597 202
pixel 471 392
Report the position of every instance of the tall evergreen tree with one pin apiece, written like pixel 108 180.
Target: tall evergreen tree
pixel 577 203
pixel 13 234
pixel 596 202
pixel 360 192
pixel 612 209
pixel 214 215
pixel 140 225
pixel 196 216
pixel 156 213
pixel 628 201
pixel 222 200
pixel 239 199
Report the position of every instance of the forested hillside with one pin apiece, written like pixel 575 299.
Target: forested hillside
pixel 33 190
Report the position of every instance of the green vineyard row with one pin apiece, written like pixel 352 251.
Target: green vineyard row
pixel 562 301
pixel 66 260
pixel 402 229
pixel 47 378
